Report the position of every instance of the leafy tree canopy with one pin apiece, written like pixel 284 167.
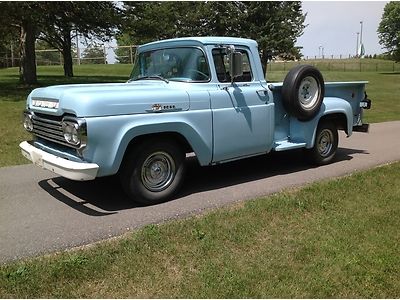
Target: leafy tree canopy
pixel 275 25
pixel 389 29
pixel 56 22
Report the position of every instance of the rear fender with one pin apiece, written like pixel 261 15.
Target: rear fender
pixel 336 109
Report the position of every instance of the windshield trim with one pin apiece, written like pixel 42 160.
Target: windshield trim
pixel 176 47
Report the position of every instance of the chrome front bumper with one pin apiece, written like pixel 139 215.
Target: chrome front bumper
pixel 63 167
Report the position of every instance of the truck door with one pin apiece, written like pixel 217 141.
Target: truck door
pixel 243 116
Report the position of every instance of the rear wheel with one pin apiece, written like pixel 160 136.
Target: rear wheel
pixel 325 146
pixel 153 171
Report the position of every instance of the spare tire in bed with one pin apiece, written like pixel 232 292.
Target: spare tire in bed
pixel 303 91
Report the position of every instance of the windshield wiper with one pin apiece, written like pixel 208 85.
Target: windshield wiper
pixel 150 77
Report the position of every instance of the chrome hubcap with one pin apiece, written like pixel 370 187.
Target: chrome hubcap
pixel 158 171
pixel 308 92
pixel 325 142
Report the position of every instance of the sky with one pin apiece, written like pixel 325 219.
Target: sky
pixel 334 26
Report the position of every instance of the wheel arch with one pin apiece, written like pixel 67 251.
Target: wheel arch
pixel 338 118
pixel 335 110
pixel 171 136
pixel 187 138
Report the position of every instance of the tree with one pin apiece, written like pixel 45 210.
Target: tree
pixel 125 55
pixel 9 40
pixel 149 21
pixel 64 20
pixel 25 17
pixel 56 23
pixel 93 55
pixel 46 56
pixel 274 25
pixel 389 29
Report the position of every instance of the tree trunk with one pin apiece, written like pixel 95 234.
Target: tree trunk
pixel 27 67
pixel 67 55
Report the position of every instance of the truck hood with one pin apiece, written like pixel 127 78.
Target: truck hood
pixel 106 99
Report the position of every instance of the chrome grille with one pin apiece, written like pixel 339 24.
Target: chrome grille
pixel 50 130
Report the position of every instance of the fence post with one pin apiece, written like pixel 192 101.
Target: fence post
pixel 12 54
pixel 131 54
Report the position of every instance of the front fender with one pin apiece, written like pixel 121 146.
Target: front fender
pixel 306 131
pixel 108 152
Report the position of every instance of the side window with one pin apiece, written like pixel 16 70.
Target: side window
pixel 221 61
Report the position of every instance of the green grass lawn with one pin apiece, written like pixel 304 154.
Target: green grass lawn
pixel 341 65
pixel 383 89
pixel 334 239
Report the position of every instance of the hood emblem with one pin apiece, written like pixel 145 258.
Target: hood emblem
pixel 156 107
pixel 45 103
pixel 163 108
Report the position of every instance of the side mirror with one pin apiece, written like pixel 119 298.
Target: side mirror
pixel 235 65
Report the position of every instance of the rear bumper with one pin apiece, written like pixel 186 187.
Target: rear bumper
pixel 63 167
pixel 361 128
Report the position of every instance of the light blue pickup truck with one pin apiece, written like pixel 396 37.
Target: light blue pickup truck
pixel 201 95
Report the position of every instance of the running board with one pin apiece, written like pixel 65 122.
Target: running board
pixel 285 145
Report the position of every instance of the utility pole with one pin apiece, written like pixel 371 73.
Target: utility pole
pixel 105 53
pixel 357 44
pixel 361 22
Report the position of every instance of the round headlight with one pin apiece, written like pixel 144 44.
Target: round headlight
pixel 67 133
pixel 71 134
pixel 28 125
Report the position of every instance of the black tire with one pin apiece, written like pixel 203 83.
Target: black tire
pixel 153 171
pixel 325 145
pixel 303 91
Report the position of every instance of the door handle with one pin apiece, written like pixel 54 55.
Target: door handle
pixel 262 93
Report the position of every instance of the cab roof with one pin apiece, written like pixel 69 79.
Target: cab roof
pixel 199 41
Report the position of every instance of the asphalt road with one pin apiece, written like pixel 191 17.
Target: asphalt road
pixel 42 213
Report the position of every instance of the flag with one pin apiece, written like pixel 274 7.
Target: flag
pixel 361 50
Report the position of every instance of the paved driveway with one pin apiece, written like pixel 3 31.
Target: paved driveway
pixel 42 213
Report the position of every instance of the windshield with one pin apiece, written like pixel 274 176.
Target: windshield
pixel 179 64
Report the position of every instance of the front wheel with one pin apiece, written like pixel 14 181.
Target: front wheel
pixel 325 146
pixel 153 172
